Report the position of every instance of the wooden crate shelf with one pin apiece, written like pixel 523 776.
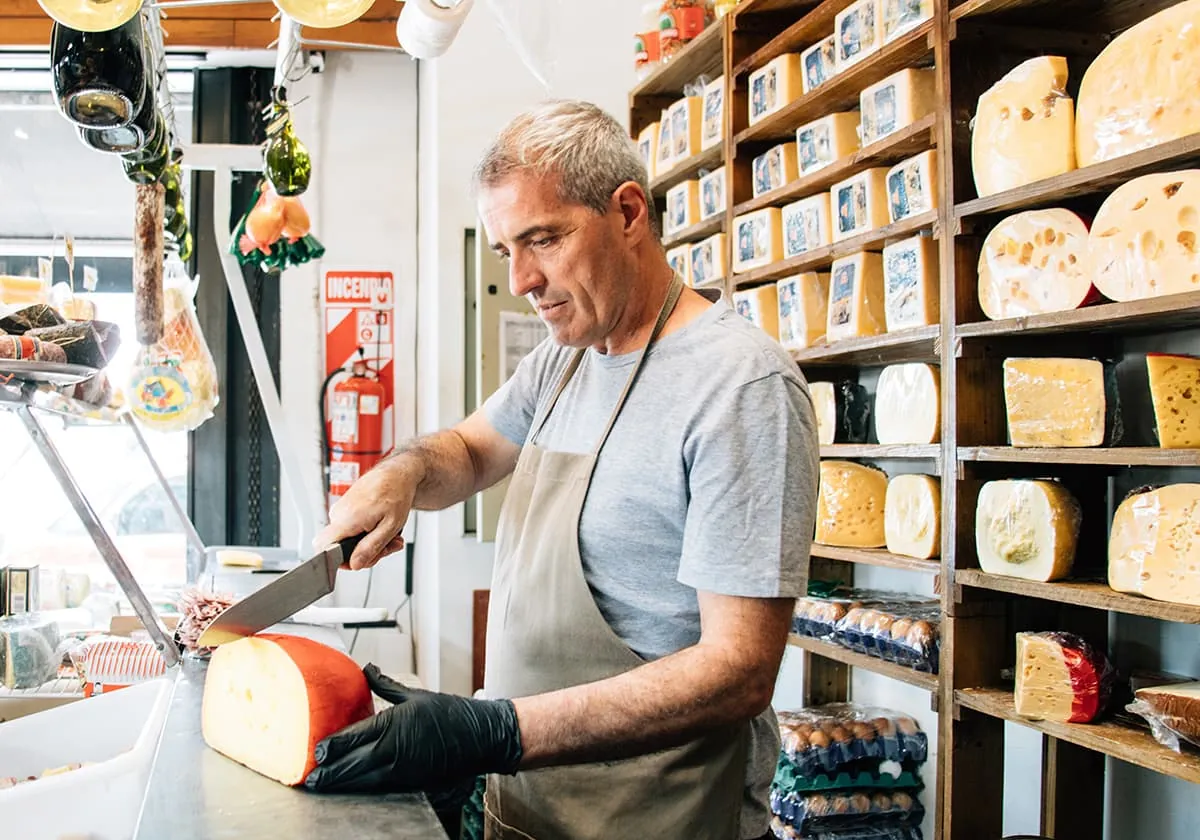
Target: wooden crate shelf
pixel 837 653
pixel 1116 456
pixel 1169 312
pixel 915 345
pixel 876 557
pixel 751 8
pixel 928 452
pixel 701 57
pixel 796 38
pixel 696 232
pixel 709 159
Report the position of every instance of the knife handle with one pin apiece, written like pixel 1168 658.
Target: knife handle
pixel 348 545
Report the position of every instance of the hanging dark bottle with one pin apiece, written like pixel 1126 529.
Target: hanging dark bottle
pixel 131 137
pixel 99 77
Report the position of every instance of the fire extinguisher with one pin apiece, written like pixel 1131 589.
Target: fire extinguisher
pixel 353 432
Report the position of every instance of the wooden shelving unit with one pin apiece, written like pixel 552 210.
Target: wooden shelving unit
pixel 919 344
pixel 1094 594
pixel 837 653
pixel 875 557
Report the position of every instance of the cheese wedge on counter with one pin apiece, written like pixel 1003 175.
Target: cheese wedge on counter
pixel 912 516
pixel 712 193
pixel 856 298
pixel 775 85
pixel 850 505
pixel 819 62
pixel 1035 262
pixel 897 102
pixel 775 168
pixel 843 411
pixel 760 306
pixel 1145 239
pixel 1060 678
pixel 908 405
pixel 910 283
pixel 647 144
pixel 1175 394
pixel 713 128
pixel 900 16
pixel 707 260
pixel 827 140
pixel 912 186
pixel 806 225
pixel 683 207
pixel 1024 127
pixel 1056 401
pixel 859 203
pixel 1026 528
pixel 1154 545
pixel 687 125
pixel 1140 90
pixel 758 239
pixel 858 31
pixel 803 309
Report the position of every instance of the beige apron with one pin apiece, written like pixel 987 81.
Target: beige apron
pixel 546 633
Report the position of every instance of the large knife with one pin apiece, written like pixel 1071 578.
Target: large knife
pixel 282 598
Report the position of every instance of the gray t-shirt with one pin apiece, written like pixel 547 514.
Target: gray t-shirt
pixel 708 481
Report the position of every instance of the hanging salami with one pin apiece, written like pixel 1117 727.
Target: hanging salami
pixel 148 262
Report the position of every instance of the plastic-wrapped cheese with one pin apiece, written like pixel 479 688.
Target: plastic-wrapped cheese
pixel 860 203
pixel 1155 542
pixel 829 139
pixel 1173 712
pixel 1027 529
pixel 687 123
pixel 1143 242
pixel 1175 394
pixel 1024 127
pixel 856 299
pixel 775 85
pixel 1035 262
pixel 910 283
pixel 775 168
pixel 1141 90
pixel 1060 678
pixel 898 101
pixel 269 699
pixel 806 225
pixel 850 505
pixel 648 147
pixel 908 404
pixel 912 186
pixel 760 306
pixel 683 207
pixel 1057 402
pixel 680 260
pixel 708 259
pixel 859 33
pixel 712 193
pixel 912 516
pixel 713 128
pixel 758 239
pixel 843 411
pixel 819 62
pixel 803 309
pixel 900 16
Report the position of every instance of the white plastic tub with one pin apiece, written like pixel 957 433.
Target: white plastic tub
pixel 118 730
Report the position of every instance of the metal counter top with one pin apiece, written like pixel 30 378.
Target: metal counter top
pixel 195 793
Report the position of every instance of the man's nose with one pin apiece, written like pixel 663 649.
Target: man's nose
pixel 524 276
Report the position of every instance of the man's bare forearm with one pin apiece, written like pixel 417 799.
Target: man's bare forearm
pixel 440 464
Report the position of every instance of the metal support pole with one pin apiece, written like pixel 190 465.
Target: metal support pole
pixel 189 529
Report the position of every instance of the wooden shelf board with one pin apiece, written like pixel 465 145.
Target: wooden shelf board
pixel 696 232
pixel 1092 594
pixel 708 159
pixel 837 653
pixel 1118 456
pixel 1099 177
pixel 1134 746
pixel 919 344
pixel 875 557
pixel 702 56
pixel 802 34
pixel 875 450
pixel 841 93
pixel 892 149
pixel 1180 311
pixel 747 8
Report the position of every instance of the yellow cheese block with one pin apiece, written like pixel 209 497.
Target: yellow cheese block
pixel 898 101
pixel 912 186
pixel 239 557
pixel 1143 241
pixel 680 260
pixel 1060 678
pixel 683 207
pixel 1034 262
pixel 775 168
pixel 900 16
pixel 819 62
pixel 1024 127
pixel 648 147
pixel 760 306
pixel 908 404
pixel 829 139
pixel 806 225
pixel 1054 401
pixel 22 290
pixel 859 33
pixel 712 193
pixel 803 309
pixel 856 299
pixel 1141 90
pixel 912 516
pixel 687 123
pixel 1027 529
pixel 708 259
pixel 850 505
pixel 758 239
pixel 910 283
pixel 775 85
pixel 1175 393
pixel 860 203
pixel 1154 545
pixel 713 130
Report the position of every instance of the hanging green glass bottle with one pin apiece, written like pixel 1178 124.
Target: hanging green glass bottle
pixel 99 78
pixel 172 181
pixel 286 162
pixel 148 165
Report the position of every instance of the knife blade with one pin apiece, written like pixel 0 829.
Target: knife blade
pixel 282 598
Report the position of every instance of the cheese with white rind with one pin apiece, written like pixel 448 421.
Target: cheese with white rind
pixel 859 33
pixel 648 147
pixel 856 298
pixel 912 516
pixel 819 63
pixel 912 186
pixel 759 306
pixel 683 207
pixel 758 239
pixel 1154 544
pixel 707 260
pixel 1063 402
pixel 1026 528
pixel 1140 90
pixel 806 225
pixel 843 411
pixel 1035 262
pixel 712 193
pixel 1175 394
pixel 910 283
pixel 687 124
pixel 1144 239
pixel 714 113
pixel 1024 128
pixel 901 16
pixel 827 140
pixel 803 309
pixel 908 404
pixel 850 505
pixel 1060 678
pixel 896 102
pixel 775 85
pixel 860 203
pixel 775 168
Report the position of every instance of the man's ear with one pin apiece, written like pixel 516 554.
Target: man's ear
pixel 635 208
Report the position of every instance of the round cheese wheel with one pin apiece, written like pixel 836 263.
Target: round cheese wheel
pixel 1026 529
pixel 912 516
pixel 1152 550
pixel 1034 262
pixel 908 404
pixel 850 505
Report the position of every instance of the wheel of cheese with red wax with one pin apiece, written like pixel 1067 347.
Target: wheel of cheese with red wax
pixel 850 505
pixel 269 699
pixel 1060 678
pixel 1026 528
pixel 908 404
pixel 1154 545
pixel 1035 262
pixel 912 516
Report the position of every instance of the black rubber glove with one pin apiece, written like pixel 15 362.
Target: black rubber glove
pixel 425 741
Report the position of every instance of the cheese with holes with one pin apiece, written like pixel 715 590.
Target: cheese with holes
pixel 827 140
pixel 908 404
pixel 1055 401
pixel 1141 90
pixel 910 283
pixel 850 505
pixel 775 85
pixel 859 33
pixel 843 411
pixel 707 260
pixel 1026 529
pixel 819 62
pixel 1143 242
pixel 901 16
pixel 1035 262
pixel 687 123
pixel 806 225
pixel 759 306
pixel 1154 545
pixel 1060 678
pixel 898 101
pixel 758 239
pixel 912 516
pixel 912 186
pixel 680 260
pixel 1175 394
pixel 859 203
pixel 648 147
pixel 269 699
pixel 713 129
pixel 712 193
pixel 803 309
pixel 1024 127
pixel 775 168
pixel 856 297
pixel 683 207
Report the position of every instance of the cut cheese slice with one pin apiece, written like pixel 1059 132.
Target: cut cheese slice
pixel 860 203
pixel 806 225
pixel 1144 240
pixel 713 129
pixel 900 16
pixel 1060 678
pixel 859 33
pixel 687 124
pixel 850 505
pixel 898 101
pixel 908 405
pixel 829 139
pixel 843 412
pixel 856 297
pixel 912 516
pixel 1055 402
pixel 803 309
pixel 912 186
pixel 712 193
pixel 1154 545
pixel 775 85
pixel 910 283
pixel 1026 529
pixel 269 699
pixel 758 239
pixel 1141 90
pixel 683 207
pixel 760 306
pixel 1035 262
pixel 1173 707
pixel 1175 393
pixel 775 168
pixel 1024 127
pixel 648 147
pixel 708 259
pixel 680 260
pixel 239 558
pixel 819 62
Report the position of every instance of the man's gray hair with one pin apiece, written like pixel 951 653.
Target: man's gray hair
pixel 584 146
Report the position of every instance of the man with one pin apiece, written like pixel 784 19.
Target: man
pixel 653 539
